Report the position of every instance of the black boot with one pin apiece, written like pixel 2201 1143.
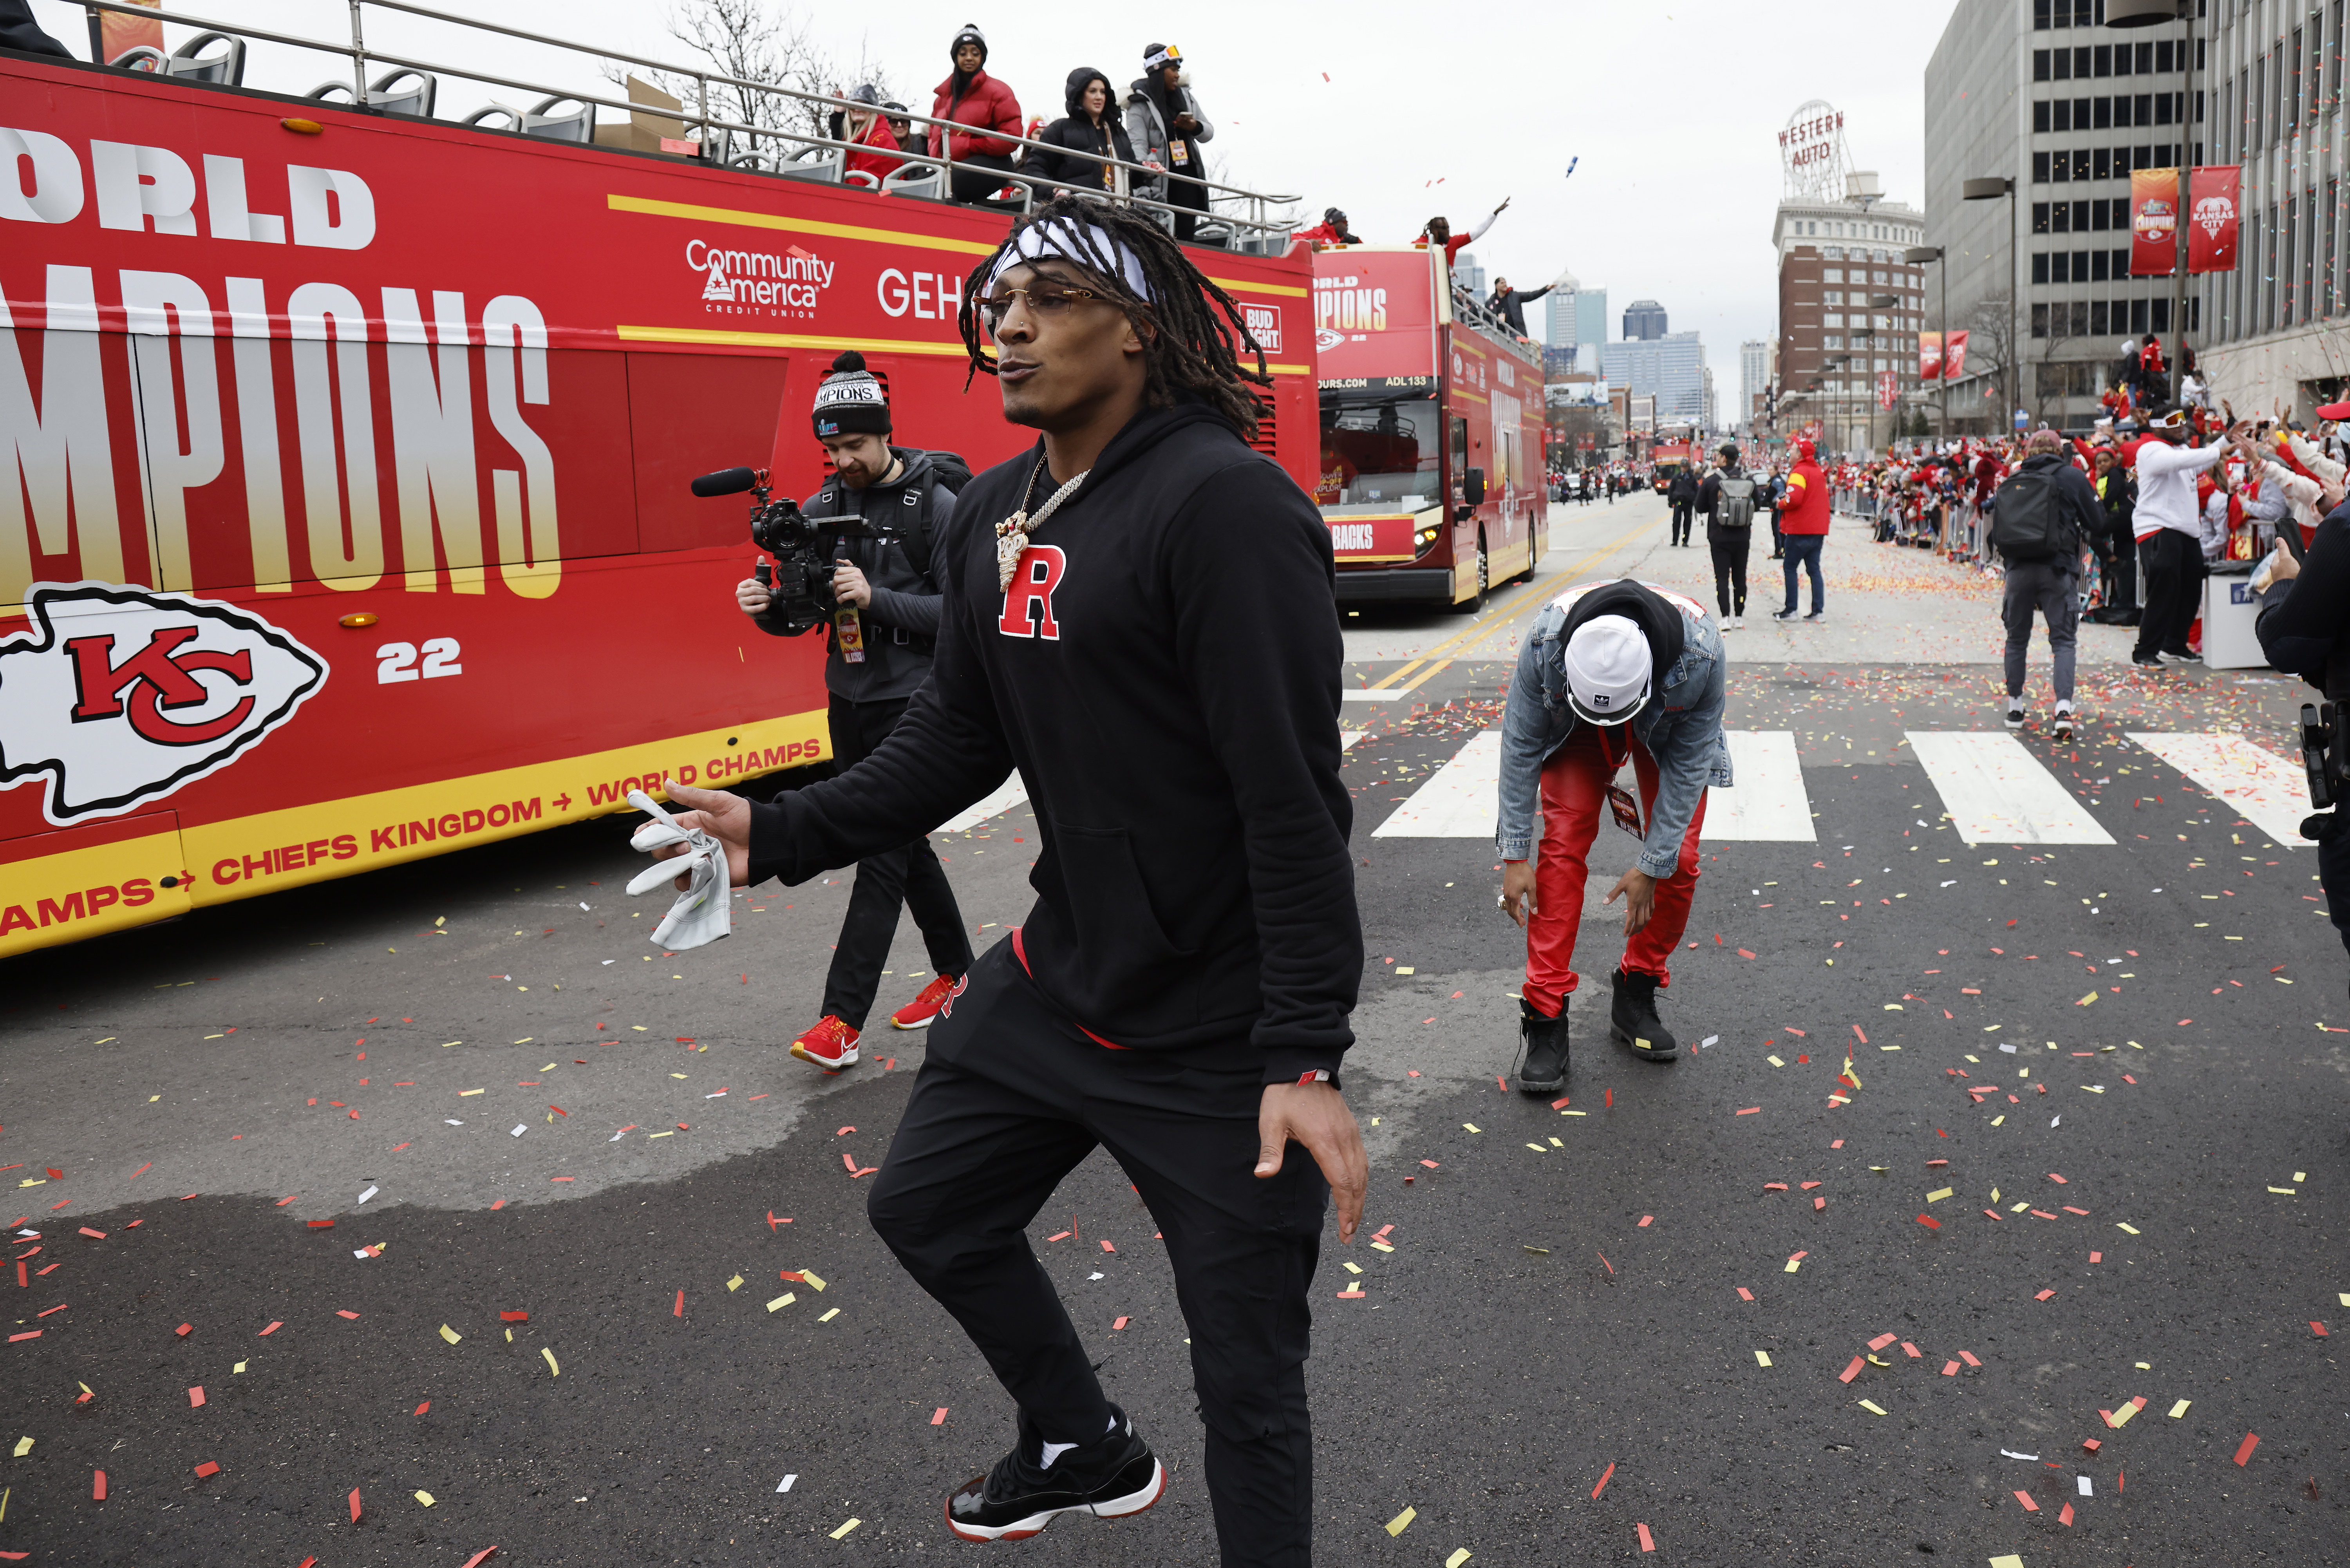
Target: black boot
pixel 1635 1017
pixel 1542 1044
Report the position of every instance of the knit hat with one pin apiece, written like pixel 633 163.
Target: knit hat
pixel 851 401
pixel 968 34
pixel 1608 667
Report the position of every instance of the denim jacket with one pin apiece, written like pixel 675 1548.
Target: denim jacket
pixel 1680 726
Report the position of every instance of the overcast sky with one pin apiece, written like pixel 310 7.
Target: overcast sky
pixel 1672 107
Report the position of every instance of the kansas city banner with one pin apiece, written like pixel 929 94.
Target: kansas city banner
pixel 1929 356
pixel 2214 211
pixel 1954 362
pixel 2154 221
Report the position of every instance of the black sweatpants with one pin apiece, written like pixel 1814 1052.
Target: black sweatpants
pixel 2173 563
pixel 1730 547
pixel 909 876
pixel 1187 193
pixel 2121 571
pixel 1009 1098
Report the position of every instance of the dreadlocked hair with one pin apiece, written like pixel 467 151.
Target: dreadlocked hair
pixel 1191 331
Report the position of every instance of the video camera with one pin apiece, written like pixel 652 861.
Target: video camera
pixel 802 576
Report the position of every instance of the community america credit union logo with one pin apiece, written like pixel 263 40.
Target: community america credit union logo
pixel 117 695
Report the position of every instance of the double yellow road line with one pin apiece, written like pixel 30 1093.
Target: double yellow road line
pixel 1422 670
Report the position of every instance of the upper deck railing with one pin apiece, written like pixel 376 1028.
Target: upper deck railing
pixel 1247 217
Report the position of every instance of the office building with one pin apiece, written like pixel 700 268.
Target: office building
pixel 1467 274
pixel 1558 305
pixel 1849 307
pixel 1591 322
pixel 1753 374
pixel 1670 370
pixel 2043 95
pixel 1643 321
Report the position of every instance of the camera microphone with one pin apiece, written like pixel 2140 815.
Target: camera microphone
pixel 726 481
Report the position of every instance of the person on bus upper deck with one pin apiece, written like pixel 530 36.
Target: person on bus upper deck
pixel 19 32
pixel 1509 303
pixel 1091 132
pixel 880 645
pixel 1609 673
pixel 1331 231
pixel 1168 126
pixel 1439 230
pixel 971 97
pixel 868 126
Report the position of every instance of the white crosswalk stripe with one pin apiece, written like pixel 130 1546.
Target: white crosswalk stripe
pixel 1768 803
pixel 2262 787
pixel 1461 801
pixel 1997 792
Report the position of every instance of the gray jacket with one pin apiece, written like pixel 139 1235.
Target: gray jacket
pixel 1680 728
pixel 901 625
pixel 1151 137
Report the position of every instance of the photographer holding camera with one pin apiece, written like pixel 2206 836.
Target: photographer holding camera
pixel 881 625
pixel 2304 629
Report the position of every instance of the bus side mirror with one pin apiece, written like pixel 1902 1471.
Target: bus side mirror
pixel 1473 487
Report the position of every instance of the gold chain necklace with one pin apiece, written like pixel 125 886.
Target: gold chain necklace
pixel 1012 534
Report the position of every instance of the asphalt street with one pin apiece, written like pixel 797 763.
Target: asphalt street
pixel 439 1209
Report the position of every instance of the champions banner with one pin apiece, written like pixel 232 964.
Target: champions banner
pixel 2214 211
pixel 1954 362
pixel 1929 356
pixel 2154 222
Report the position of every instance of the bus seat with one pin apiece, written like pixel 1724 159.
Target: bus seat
pixel 490 111
pixel 325 92
pixel 1215 236
pixel 542 121
pixel 924 180
pixel 819 163
pixel 226 68
pixel 405 91
pixel 140 57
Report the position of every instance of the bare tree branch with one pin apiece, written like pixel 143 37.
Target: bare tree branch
pixel 747 40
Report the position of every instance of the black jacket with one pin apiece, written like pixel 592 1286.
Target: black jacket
pixel 1709 504
pixel 903 619
pixel 1510 305
pixel 1683 488
pixel 1083 143
pixel 19 31
pixel 2074 493
pixel 1176 722
pixel 2303 620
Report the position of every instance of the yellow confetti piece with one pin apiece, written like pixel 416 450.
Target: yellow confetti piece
pixel 2301 1176
pixel 1353 1268
pixel 463 1093
pixel 1762 1359
pixel 2346 1297
pixel 1794 1263
pixel 1538 1148
pixel 2181 1408
pixel 735 1284
pixel 2288 1191
pixel 1396 1526
pixel 845 1529
pixel 1774 1061
pixel 1999 1119
pixel 1458 1558
pixel 1935 1197
pixel 23 1447
pixel 451 1334
pixel 786 1299
pixel 2120 1226
pixel 238 1367
pixel 669 1134
pixel 809 1275
pixel 677 1075
pixel 2010 1561
pixel 2121 1417
pixel 830 1315
pixel 2087 999
pixel 1872 1406
pixel 1575 1113
pixel 1472 1127
pixel 551 1367
pixel 425 1498
pixel 2094 1088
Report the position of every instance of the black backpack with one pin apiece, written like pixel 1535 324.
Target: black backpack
pixel 1733 503
pixel 2029 521
pixel 949 473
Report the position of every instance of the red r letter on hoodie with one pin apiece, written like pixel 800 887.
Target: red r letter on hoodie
pixel 1028 602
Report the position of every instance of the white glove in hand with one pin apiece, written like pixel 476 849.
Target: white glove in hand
pixel 703 912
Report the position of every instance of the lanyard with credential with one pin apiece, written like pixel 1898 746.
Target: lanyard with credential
pixel 1620 799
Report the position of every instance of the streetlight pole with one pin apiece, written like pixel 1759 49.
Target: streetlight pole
pixel 1916 256
pixel 1880 301
pixel 2154 14
pixel 1986 189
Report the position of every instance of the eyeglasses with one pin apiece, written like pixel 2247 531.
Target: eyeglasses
pixel 1047 303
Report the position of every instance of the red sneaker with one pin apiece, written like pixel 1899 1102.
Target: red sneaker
pixel 831 1044
pixel 917 1013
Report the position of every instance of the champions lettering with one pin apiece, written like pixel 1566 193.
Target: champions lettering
pixel 1345 304
pixel 753 759
pixel 82 904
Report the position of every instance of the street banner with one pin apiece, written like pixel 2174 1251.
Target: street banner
pixel 1889 389
pixel 118 33
pixel 1929 356
pixel 1954 362
pixel 2214 210
pixel 2154 222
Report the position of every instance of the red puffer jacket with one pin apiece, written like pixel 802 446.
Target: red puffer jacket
pixel 989 104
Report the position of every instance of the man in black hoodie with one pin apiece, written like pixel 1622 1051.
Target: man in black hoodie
pixel 878 640
pixel 1682 494
pixel 1181 992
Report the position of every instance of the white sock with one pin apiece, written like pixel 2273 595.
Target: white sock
pixel 1054 1450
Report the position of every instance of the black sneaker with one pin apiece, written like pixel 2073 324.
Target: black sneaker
pixel 1782 615
pixel 1543 1041
pixel 2015 713
pixel 1818 614
pixel 2063 720
pixel 1635 1021
pixel 1111 1477
pixel 2148 662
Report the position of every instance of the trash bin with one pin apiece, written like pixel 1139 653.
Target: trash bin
pixel 2230 608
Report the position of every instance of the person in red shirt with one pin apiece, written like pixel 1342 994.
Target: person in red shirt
pixel 1440 231
pixel 865 127
pixel 971 97
pixel 1804 525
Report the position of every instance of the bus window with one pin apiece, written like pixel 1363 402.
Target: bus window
pixel 1379 453
pixel 1461 463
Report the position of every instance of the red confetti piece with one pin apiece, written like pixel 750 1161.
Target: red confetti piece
pixel 1849 1372
pixel 322 1224
pixel 196 1398
pixel 1950 1369
pixel 2044 1295
pixel 1644 1219
pixel 680 1305
pixel 344 1312
pixel 2066 1516
pixel 514 1317
pixel 2244 1453
pixel 1744 954
pixel 62 1305
pixel 1121 1324
pixel 184 1329
pixel 476 1561
pixel 1603 1258
pixel 135 1175
pixel 1430 1163
pixel 97 1488
pixel 29 1333
pixel 2026 1499
pixel 287 1199
pixel 1929 1221
pixel 1744 1294
pixel 1818 1204
pixel 55 1174
pixel 266 1332
pixel 1880 1342
pixel 1603 1482
pixel 501 1203
pixel 939 1417
pixel 1107 1248
pixel 1646 1544
pixel 1968 1357
pixel 100 1235
pixel 208 1469
pixel 1753 1110
pixel 426 1406
pixel 559 1110
pixel 2092 1444
pixel 1560 1104
pixel 354 1505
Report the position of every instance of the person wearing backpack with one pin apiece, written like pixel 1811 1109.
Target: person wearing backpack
pixel 2040 517
pixel 1729 498
pixel 879 648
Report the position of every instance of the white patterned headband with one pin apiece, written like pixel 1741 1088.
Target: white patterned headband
pixel 1088 246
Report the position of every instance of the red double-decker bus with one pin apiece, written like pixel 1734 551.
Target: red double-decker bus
pixel 345 518
pixel 1431 409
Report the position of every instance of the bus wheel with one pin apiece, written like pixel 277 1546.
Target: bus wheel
pixel 1476 601
pixel 1533 554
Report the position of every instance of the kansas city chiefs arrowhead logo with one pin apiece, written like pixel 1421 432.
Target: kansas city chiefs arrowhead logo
pixel 118 695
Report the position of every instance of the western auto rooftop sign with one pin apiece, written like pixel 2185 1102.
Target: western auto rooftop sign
pixel 1812 152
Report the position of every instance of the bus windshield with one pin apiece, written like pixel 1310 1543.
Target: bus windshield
pixel 1379 453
